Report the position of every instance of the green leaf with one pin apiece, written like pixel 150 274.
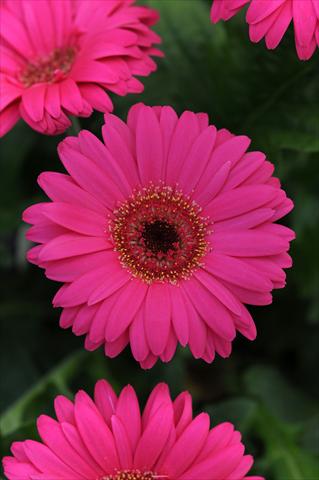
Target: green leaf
pixel 240 411
pixel 29 405
pixel 279 397
pixel 285 458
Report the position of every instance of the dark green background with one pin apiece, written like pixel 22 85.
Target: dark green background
pixel 269 387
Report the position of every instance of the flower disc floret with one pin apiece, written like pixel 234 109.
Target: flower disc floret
pixel 134 475
pixel 48 69
pixel 159 234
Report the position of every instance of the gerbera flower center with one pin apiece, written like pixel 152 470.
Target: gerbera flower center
pixel 48 69
pixel 132 475
pixel 159 234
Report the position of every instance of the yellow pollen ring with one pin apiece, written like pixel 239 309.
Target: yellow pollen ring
pixel 162 205
pixel 48 69
pixel 135 475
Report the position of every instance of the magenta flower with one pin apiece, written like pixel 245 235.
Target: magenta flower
pixel 109 439
pixel 160 235
pixel 58 58
pixel 270 19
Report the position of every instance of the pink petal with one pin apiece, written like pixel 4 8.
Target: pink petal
pixel 305 22
pixel 122 443
pixel 93 149
pixel 120 148
pixel 69 314
pixel 52 101
pixel 93 71
pixel 89 176
pixel 128 411
pixel 170 349
pixel 52 435
pixel 105 399
pixel 179 316
pixel 97 330
pixel 9 93
pixel 17 470
pixel 240 200
pixel 64 409
pixel 213 185
pixel 157 317
pixel 83 319
pixel 160 395
pixel 78 291
pixel 139 345
pixel 44 232
pixel 154 438
pixel 185 133
pixel 191 441
pixel 8 118
pixel 196 160
pixel 237 271
pixel 258 9
pixel 75 218
pixel 96 97
pixel 70 95
pixel 197 329
pixel 70 245
pixel 248 244
pixel 211 310
pixel 245 221
pixel 72 435
pixel 33 101
pixel 168 120
pixel 149 146
pixel 69 269
pixel 13 32
pixel 249 296
pixel 249 163
pixel 115 278
pixel 259 30
pixel 219 291
pixel 45 460
pixel 95 434
pixel 121 316
pixel 279 27
pixel 222 464
pixel 183 412
pixel 218 438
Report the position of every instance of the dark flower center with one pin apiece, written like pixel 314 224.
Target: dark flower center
pixel 160 236
pixel 48 69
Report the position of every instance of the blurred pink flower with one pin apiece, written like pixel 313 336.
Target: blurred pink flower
pixel 271 19
pixel 58 58
pixel 161 234
pixel 109 439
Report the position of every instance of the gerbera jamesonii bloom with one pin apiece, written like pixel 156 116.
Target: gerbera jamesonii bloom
pixel 59 58
pixel 161 233
pixel 109 439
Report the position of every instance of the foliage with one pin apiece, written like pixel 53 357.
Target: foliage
pixel 267 388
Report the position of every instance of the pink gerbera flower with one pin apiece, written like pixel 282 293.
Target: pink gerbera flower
pixel 59 57
pixel 271 19
pixel 161 234
pixel 109 439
